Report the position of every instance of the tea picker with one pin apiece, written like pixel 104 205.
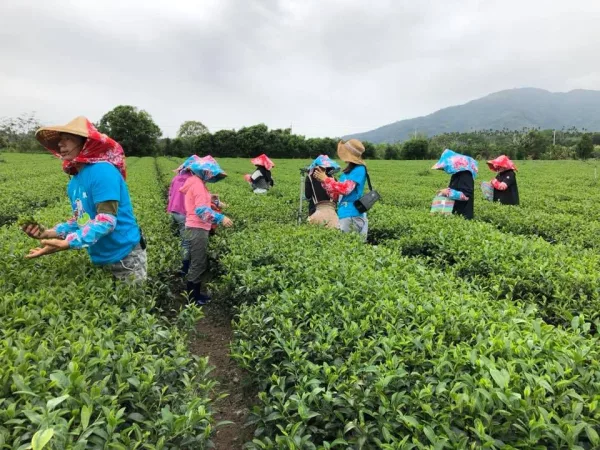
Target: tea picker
pixel 459 195
pixel 348 191
pixel 503 188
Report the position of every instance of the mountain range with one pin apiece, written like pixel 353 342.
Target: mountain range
pixel 512 109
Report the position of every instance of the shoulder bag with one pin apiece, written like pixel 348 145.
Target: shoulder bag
pixel 367 201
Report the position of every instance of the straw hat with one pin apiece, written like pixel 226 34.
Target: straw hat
pixel 351 151
pixel 49 136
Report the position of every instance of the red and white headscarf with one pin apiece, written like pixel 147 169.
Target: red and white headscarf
pixel 501 163
pixel 98 147
pixel 263 160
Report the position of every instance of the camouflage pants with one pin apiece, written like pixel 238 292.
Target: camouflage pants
pixel 133 268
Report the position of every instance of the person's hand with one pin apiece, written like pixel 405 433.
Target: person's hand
pixel 444 192
pixel 36 231
pixel 49 246
pixel 227 222
pixel 214 198
pixel 319 174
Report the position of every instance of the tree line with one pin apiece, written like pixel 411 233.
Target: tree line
pixel 139 135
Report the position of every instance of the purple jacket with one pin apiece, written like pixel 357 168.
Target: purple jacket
pixel 176 198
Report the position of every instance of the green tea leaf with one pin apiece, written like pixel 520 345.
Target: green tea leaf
pixel 86 413
pixel 501 377
pixel 41 438
pixel 136 417
pixel 592 435
pixel 53 403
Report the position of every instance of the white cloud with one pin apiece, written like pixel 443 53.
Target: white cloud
pixel 329 67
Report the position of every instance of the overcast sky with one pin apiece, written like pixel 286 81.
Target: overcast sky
pixel 327 67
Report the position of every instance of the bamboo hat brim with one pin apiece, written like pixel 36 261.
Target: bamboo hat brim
pixel 50 136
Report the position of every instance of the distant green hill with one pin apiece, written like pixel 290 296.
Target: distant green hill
pixel 512 109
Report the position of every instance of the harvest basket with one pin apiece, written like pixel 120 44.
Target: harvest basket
pixel 442 205
pixel 488 191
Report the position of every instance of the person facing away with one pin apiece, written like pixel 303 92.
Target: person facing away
pixel 462 182
pixel 321 208
pixel 199 220
pixel 176 208
pixel 103 221
pixel 261 179
pixel 349 188
pixel 505 186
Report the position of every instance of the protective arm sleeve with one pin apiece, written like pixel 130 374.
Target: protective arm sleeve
pixel 209 215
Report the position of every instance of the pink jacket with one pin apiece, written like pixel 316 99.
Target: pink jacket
pixel 177 198
pixel 196 195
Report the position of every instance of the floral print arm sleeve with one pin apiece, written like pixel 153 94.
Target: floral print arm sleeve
pixel 453 194
pixel 499 185
pixel 209 215
pixel 335 189
pixel 92 231
pixel 64 228
pixel 457 195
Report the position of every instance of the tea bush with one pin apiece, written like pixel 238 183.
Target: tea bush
pixel 85 364
pixel 561 281
pixel 440 335
pixel 358 347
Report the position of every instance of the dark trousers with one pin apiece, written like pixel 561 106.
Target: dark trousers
pixel 198 247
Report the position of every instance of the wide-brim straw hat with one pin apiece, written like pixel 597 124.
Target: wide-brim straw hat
pixel 351 151
pixel 50 136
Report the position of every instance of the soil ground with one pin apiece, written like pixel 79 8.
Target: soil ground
pixel 213 340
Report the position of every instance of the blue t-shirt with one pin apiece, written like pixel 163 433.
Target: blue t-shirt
pixel 346 207
pixel 101 182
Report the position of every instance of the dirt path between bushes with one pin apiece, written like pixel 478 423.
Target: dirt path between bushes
pixel 213 339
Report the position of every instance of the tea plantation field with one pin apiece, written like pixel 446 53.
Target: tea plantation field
pixel 439 334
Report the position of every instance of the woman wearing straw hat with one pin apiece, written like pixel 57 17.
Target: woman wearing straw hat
pixel 321 208
pixel 350 187
pixel 103 221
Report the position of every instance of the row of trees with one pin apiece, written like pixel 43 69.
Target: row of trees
pixel 248 142
pixel 18 133
pixel 134 129
pixel 140 136
pixel 522 144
